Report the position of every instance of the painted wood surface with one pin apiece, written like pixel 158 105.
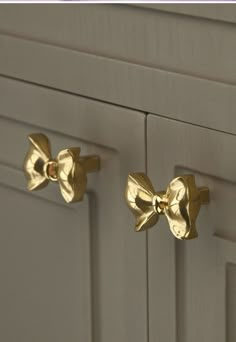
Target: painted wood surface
pixel 45 268
pixel 156 39
pixel 173 61
pixel 214 11
pixel 202 102
pixel 191 283
pixel 113 258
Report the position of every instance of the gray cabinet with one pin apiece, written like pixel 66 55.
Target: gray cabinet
pixel 70 271
pixel 149 88
pixel 45 269
pixel 194 299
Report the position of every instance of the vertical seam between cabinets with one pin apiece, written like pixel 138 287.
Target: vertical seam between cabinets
pixel 147 259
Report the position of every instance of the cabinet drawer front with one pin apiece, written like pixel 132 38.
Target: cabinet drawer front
pixel 71 272
pixel 174 65
pixel 194 298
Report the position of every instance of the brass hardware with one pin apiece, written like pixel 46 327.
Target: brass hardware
pixel 68 169
pixel 180 203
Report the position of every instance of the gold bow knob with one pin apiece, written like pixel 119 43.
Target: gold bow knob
pixel 180 203
pixel 68 169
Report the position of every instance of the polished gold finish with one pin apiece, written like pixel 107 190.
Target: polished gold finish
pixel 180 203
pixel 68 169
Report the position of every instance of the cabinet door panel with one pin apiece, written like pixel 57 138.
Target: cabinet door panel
pixel 45 270
pixel 192 283
pixel 102 251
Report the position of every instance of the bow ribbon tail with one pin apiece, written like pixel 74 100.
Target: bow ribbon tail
pixel 139 196
pixel 183 207
pixel 38 155
pixel 72 178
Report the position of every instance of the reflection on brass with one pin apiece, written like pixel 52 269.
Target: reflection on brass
pixel 180 203
pixel 68 169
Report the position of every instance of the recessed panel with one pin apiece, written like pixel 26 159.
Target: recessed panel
pixel 45 291
pixel 231 301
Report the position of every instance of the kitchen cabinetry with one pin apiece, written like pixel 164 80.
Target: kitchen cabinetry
pixel 148 89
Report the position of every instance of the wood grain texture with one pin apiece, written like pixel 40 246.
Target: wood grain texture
pixel 186 98
pixel 231 301
pixel 157 39
pixel 45 268
pixel 188 301
pixel 214 11
pixel 118 256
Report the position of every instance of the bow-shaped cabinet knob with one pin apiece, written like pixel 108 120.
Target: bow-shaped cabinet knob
pixel 180 203
pixel 68 169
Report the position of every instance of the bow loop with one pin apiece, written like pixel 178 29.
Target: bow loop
pixel 183 207
pixel 140 196
pixel 72 178
pixel 38 156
